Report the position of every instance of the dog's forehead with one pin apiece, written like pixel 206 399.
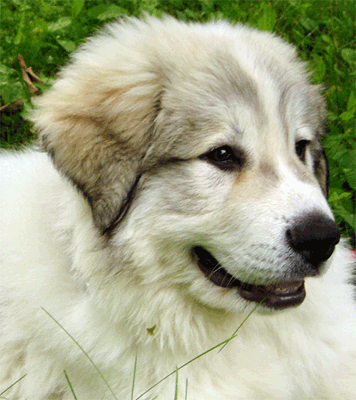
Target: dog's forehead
pixel 230 97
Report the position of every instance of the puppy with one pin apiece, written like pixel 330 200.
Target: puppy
pixel 178 200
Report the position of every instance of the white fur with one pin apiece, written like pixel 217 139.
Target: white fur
pixel 139 292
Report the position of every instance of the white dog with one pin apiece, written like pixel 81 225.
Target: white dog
pixel 182 186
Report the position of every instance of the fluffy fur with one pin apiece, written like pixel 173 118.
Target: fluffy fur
pixel 98 230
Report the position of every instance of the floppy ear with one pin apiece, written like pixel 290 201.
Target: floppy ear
pixel 318 116
pixel 97 127
pixel 321 169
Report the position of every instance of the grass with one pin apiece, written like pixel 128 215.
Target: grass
pixel 175 372
pixel 70 386
pixel 44 32
pixel 8 388
pixel 85 354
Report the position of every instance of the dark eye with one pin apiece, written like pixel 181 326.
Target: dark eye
pixel 222 154
pixel 300 149
pixel 225 157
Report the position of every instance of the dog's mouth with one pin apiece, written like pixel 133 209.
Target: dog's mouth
pixel 277 296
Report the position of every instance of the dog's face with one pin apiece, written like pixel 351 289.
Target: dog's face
pixel 198 149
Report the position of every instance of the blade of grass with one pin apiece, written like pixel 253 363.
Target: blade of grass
pixel 202 354
pixel 134 377
pixel 176 386
pixel 12 385
pixel 186 389
pixel 84 352
pixel 70 385
pixel 234 334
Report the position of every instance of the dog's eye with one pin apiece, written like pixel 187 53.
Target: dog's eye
pixel 224 157
pixel 300 149
pixel 222 154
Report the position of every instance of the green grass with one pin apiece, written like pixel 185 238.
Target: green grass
pixel 175 372
pixel 46 31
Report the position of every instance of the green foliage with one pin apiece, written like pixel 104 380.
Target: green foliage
pixel 46 31
pixel 268 18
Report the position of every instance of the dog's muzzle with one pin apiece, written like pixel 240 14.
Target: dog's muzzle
pixel 312 239
pixel 278 296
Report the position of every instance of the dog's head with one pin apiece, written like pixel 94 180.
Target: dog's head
pixel 203 141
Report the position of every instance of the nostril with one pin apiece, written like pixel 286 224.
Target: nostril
pixel 314 237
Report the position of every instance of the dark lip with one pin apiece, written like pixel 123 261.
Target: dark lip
pixel 276 296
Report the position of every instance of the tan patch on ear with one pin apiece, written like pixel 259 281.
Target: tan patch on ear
pixel 97 138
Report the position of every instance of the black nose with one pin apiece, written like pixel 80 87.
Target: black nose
pixel 314 237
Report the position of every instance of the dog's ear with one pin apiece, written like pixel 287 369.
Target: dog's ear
pixel 321 169
pixel 97 128
pixel 317 116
